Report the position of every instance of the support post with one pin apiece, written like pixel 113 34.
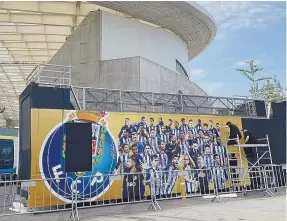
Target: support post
pixel 84 99
pixel 121 101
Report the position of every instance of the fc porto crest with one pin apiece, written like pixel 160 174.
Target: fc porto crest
pixel 89 185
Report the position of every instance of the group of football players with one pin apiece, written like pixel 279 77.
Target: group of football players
pixel 164 149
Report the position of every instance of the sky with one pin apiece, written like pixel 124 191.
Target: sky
pixel 245 31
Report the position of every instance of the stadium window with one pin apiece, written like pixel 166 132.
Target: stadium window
pixel 180 69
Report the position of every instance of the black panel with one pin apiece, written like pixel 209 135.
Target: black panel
pixel 260 108
pixel 276 130
pixel 78 147
pixel 50 98
pixel 47 97
pixel 279 110
pixel 25 138
pixel 36 97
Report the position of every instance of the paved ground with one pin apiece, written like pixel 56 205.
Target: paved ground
pixel 248 208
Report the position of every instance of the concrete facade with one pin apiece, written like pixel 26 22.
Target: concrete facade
pixel 124 37
pixel 82 51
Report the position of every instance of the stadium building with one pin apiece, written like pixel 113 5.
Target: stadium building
pixel 138 46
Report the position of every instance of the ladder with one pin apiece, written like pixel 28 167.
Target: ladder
pixel 263 158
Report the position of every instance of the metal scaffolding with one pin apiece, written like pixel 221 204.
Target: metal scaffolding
pixel 88 98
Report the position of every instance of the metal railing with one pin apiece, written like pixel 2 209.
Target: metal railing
pixel 37 196
pixel 88 98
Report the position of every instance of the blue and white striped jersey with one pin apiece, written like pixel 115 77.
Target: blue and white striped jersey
pixel 125 140
pixel 189 179
pixel 150 128
pixel 175 132
pixel 221 151
pixel 163 137
pixel 153 142
pixel 122 160
pixel 193 130
pixel 183 147
pixel 184 128
pixel 220 176
pixel 208 161
pixel 147 160
pixel 198 127
pixel 157 180
pixel 170 177
pixel 143 139
pixel 163 160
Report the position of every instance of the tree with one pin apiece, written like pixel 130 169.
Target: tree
pixel 263 88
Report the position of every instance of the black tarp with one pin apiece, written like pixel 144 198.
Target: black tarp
pixel 276 130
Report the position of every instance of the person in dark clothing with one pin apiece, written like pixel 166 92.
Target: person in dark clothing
pixel 133 187
pixel 234 131
pixel 248 139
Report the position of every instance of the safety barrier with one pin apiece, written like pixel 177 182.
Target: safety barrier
pixel 154 185
pixel 14 195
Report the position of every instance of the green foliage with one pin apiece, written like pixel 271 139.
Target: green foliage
pixel 263 88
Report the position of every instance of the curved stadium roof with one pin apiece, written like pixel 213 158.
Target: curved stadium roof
pixel 32 32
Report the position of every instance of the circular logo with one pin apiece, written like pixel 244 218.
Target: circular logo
pixel 88 185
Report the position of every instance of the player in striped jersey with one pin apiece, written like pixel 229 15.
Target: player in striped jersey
pixel 142 124
pixel 183 127
pixel 123 158
pixel 208 158
pixel 159 126
pixel 125 138
pixel 157 175
pixel 219 175
pixel 192 128
pixel 218 133
pixel 183 143
pixel 205 129
pixel 171 148
pixel 175 131
pixel 221 151
pixel 163 159
pixel 143 138
pixel 135 141
pixel 147 156
pixel 125 127
pixel 201 175
pixel 153 142
pixel 171 175
pixel 211 128
pixel 151 127
pixel 168 126
pixel 198 126
pixel 194 152
pixel 136 155
pixel 163 136
pixel 201 140
pixel 190 182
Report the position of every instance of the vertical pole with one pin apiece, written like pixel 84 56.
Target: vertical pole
pixel 84 99
pixel 121 101
pixel 38 73
pixel 152 102
pixel 181 103
pixel 267 138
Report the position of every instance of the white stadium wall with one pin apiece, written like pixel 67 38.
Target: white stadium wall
pixel 124 37
pixel 85 49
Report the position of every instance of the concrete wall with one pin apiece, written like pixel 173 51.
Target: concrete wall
pixel 158 79
pixel 124 37
pixel 83 52
pixel 140 74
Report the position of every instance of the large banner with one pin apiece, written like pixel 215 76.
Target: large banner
pixel 123 143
